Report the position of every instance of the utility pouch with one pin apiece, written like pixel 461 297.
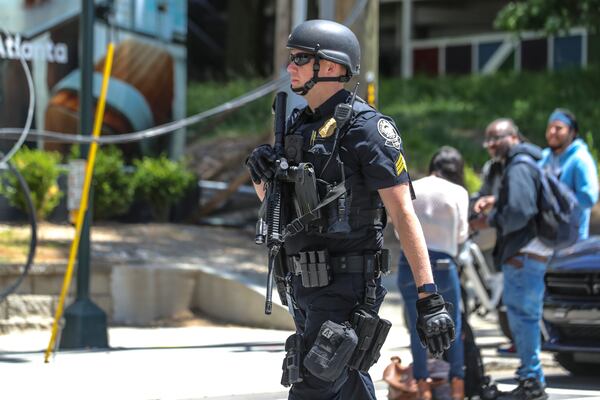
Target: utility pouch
pixel 364 324
pixel 313 267
pixel 292 363
pixel 372 355
pixel 331 351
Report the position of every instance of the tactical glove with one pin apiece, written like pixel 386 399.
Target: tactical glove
pixel 261 163
pixel 434 325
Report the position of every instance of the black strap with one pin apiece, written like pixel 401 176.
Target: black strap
pixel 354 264
pixel 298 224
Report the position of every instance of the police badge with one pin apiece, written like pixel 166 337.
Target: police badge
pixel 328 128
pixel 389 133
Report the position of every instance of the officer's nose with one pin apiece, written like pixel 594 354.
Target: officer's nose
pixel 291 67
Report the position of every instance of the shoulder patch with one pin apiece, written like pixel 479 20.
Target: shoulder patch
pixel 389 133
pixel 328 128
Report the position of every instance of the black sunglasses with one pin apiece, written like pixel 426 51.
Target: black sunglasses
pixel 300 59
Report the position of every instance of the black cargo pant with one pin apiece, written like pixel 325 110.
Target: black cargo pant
pixel 334 302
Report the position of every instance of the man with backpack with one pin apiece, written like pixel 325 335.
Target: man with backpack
pixel 568 158
pixel 518 249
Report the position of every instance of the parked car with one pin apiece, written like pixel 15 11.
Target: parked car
pixel 572 307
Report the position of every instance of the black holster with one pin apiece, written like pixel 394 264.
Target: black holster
pixel 292 363
pixel 372 332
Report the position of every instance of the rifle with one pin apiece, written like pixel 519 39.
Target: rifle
pixel 271 226
pixel 274 221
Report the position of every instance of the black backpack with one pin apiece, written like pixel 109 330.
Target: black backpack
pixel 557 221
pixel 477 383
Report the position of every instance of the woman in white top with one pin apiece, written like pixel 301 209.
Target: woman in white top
pixel 442 207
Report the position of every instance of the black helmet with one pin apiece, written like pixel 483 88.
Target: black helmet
pixel 330 41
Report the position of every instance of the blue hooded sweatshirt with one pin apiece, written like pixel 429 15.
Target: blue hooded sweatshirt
pixel 576 168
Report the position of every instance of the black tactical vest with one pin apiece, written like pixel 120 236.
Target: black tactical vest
pixel 356 211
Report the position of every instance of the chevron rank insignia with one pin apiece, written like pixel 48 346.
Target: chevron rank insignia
pixel 400 164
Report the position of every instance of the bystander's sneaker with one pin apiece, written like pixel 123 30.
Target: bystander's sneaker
pixel 528 389
pixel 507 349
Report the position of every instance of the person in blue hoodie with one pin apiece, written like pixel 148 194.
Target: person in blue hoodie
pixel 567 157
pixel 521 254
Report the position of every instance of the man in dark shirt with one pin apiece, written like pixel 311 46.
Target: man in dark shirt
pixel 366 157
pixel 523 257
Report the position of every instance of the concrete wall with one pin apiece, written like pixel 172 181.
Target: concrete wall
pixel 141 294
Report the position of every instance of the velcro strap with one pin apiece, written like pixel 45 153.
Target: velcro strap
pixel 355 264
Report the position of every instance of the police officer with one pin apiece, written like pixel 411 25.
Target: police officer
pixel 366 156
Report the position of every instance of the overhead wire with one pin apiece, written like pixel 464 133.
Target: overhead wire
pixel 157 130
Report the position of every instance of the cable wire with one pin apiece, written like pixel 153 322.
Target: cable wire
pixel 23 132
pixel 157 130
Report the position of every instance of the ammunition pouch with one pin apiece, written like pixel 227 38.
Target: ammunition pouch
pixel 292 363
pixel 371 332
pixel 329 355
pixel 313 267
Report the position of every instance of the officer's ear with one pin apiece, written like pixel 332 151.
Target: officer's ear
pixel 332 68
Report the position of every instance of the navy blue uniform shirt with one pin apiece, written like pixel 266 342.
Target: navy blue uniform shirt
pixel 373 158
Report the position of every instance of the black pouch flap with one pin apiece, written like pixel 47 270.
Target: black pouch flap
pixel 331 351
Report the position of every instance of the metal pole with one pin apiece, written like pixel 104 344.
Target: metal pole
pixel 85 322
pixel 407 60
pixel 298 16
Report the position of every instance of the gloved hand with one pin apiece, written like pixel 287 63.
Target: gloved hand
pixel 261 163
pixel 434 325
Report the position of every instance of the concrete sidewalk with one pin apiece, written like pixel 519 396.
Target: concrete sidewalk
pixel 190 362
pixel 196 362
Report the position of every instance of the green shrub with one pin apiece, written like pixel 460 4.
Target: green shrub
pixel 112 186
pixel 432 112
pixel 40 171
pixel 161 182
pixel 472 180
pixel 251 119
pixel 454 110
pixel 589 139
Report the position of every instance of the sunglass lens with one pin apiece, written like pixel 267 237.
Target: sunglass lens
pixel 300 59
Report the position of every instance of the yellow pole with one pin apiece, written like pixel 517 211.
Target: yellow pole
pixel 84 198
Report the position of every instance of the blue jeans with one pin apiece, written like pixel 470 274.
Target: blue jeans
pixel 523 297
pixel 448 283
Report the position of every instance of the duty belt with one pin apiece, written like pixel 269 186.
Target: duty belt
pixel 316 268
pixel 376 263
